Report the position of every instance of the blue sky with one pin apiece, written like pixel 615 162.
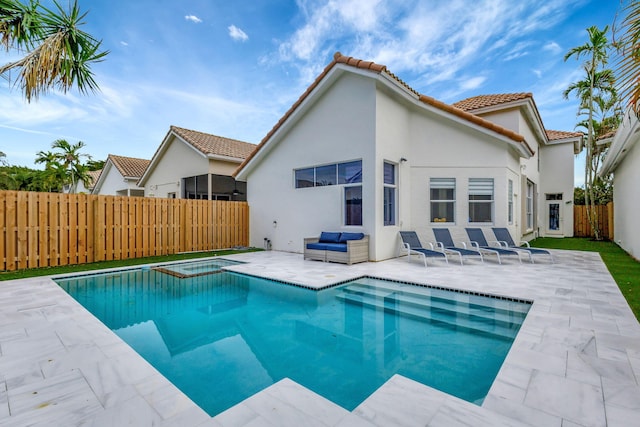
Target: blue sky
pixel 232 68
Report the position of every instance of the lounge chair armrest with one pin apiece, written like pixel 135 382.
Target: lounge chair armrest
pixel 474 245
pixel 440 246
pixel 525 243
pixel 431 245
pixel 311 240
pixel 495 243
pixel 503 243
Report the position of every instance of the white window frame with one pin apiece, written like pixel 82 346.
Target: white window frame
pixel 482 186
pixel 529 211
pixel 442 183
pixel 390 207
pixel 510 201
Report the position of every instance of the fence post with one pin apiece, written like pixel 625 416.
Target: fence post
pixel 611 224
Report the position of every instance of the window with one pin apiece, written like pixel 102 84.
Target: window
pixel 325 175
pixel 480 199
pixel 557 196
pixel 171 195
pixel 320 176
pixel 350 172
pixel 443 199
pixel 529 205
pixel 510 202
pixel 389 185
pixel 195 187
pixel 305 178
pixel 353 205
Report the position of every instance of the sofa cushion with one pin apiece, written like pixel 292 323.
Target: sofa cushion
pixel 336 247
pixel 351 236
pixel 329 237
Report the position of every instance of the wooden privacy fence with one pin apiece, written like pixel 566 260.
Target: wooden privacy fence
pixel 581 226
pixel 51 229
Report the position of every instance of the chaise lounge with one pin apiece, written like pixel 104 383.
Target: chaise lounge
pixel 346 248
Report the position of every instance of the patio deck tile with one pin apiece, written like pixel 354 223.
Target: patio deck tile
pixel 575 362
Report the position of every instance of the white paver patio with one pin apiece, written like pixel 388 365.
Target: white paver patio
pixel 575 362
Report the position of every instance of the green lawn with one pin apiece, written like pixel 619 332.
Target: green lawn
pixel 624 269
pixel 21 274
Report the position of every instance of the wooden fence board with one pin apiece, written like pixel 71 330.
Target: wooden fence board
pixel 581 226
pixel 49 229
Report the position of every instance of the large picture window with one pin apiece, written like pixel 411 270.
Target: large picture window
pixel 443 199
pixel 480 200
pixel 321 176
pixel 389 185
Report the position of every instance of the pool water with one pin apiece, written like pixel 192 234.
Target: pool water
pixel 221 338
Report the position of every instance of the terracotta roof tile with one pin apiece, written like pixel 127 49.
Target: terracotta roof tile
pixel 129 166
pixel 483 101
pixel 215 145
pixel 553 135
pixel 338 58
pixel 607 135
pixel 94 175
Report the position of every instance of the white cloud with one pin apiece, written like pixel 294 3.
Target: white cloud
pixel 472 83
pixel 435 40
pixel 193 18
pixel 552 47
pixel 124 43
pixel 237 34
pixel 538 73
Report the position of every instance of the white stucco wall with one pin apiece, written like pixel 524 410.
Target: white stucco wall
pixel 114 184
pixel 626 203
pixel 339 127
pixel 179 160
pixel 557 173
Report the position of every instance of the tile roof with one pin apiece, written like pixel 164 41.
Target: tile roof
pixel 483 101
pixel 338 58
pixel 94 175
pixel 213 144
pixel 607 135
pixel 129 166
pixel 553 135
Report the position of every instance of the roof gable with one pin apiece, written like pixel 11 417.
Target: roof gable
pixel 208 145
pixel 215 145
pixel 129 167
pixel 350 62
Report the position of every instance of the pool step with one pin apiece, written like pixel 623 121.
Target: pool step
pixel 474 302
pixel 475 320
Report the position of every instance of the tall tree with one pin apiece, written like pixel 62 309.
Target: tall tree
pixel 59 54
pixel 595 84
pixel 3 159
pixel 628 60
pixel 64 165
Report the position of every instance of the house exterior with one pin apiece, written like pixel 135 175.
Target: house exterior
pixel 80 187
pixel 196 165
pixel 120 176
pixel 362 151
pixel 623 160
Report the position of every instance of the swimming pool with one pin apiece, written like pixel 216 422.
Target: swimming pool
pixel 221 338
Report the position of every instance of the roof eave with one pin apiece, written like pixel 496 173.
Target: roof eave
pixel 626 135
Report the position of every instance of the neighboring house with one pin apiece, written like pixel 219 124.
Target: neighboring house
pixel 196 165
pixel 120 176
pixel 623 160
pixel 362 151
pixel 80 187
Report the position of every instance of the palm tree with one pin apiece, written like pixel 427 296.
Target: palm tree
pixel 628 63
pixel 3 159
pixel 59 54
pixel 70 158
pixel 596 53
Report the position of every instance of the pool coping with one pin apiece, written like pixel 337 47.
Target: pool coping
pixel 575 361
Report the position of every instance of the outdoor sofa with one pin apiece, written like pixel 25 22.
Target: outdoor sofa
pixel 346 248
